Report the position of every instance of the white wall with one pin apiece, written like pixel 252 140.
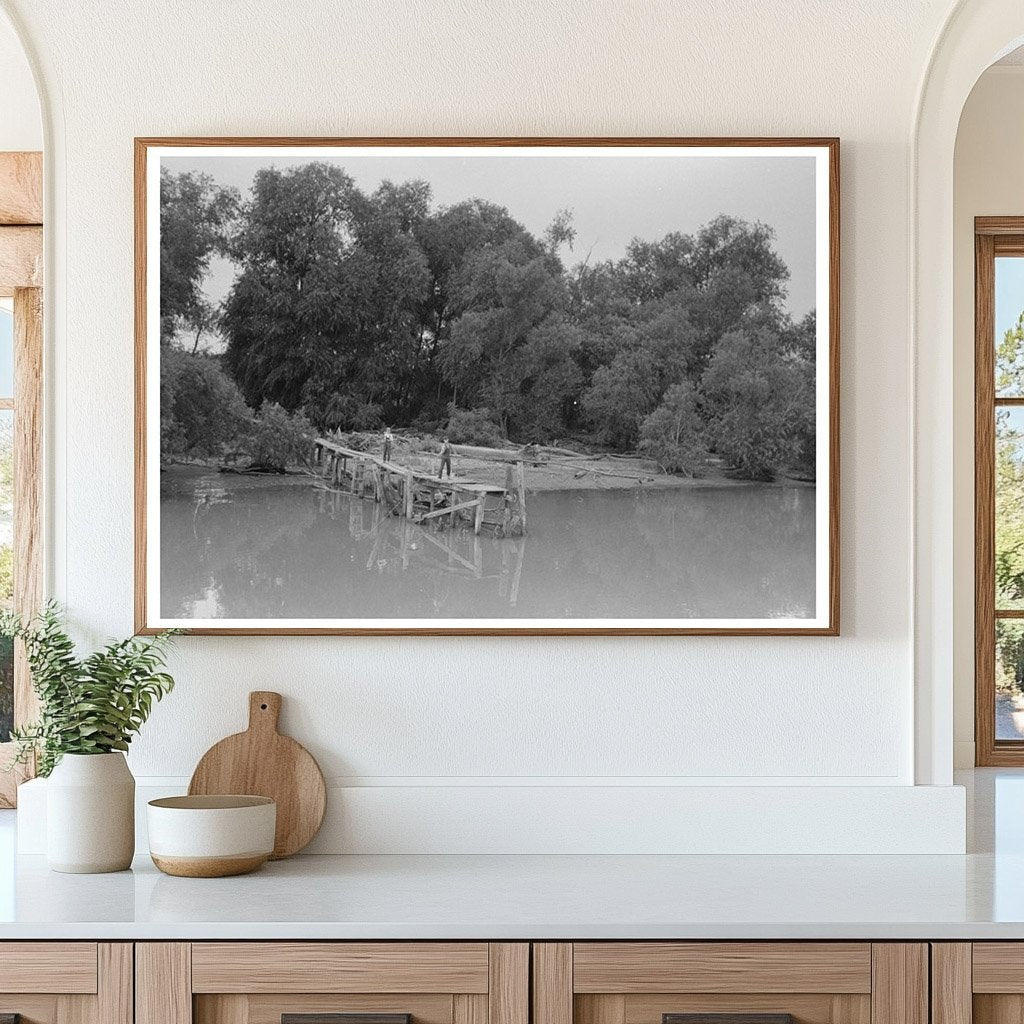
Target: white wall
pixel 432 715
pixel 987 181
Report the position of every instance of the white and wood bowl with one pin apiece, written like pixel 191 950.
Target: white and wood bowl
pixel 211 836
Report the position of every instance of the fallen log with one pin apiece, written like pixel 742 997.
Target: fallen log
pixel 480 452
pixel 547 449
pixel 587 470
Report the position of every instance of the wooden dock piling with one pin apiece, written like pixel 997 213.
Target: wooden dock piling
pixel 422 497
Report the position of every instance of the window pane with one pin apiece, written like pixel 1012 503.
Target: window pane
pixel 1009 679
pixel 6 353
pixel 1009 325
pixel 6 567
pixel 1009 575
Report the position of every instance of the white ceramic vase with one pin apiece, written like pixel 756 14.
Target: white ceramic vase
pixel 90 814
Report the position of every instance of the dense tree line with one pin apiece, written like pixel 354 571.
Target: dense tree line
pixel 1009 509
pixel 354 310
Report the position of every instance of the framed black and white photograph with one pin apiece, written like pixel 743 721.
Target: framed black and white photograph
pixel 487 386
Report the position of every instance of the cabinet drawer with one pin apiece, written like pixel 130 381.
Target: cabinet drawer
pixel 730 983
pixel 635 967
pixel 66 982
pixel 332 983
pixel 340 967
pixel 65 967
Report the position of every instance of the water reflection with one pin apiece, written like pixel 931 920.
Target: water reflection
pixel 241 547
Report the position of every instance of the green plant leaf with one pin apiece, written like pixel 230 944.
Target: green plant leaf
pixel 90 705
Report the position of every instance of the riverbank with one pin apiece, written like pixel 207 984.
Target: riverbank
pixel 543 471
pixel 556 469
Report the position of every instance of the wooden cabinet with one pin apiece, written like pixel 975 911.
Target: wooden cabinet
pixel 494 983
pixel 66 982
pixel 978 983
pixel 752 982
pixel 309 982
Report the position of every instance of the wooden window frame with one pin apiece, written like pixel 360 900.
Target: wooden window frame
pixel 993 237
pixel 21 278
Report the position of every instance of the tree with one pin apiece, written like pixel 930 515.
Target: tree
pixel 506 291
pixel 326 300
pixel 1009 510
pixel 673 435
pixel 195 217
pixel 652 354
pixel 1009 655
pixel 1010 360
pixel 800 341
pixel 621 395
pixel 276 439
pixel 472 426
pixel 289 315
pixel 652 270
pixel 559 232
pixel 201 410
pixel 550 379
pixel 735 244
pixel 758 398
pixel 451 239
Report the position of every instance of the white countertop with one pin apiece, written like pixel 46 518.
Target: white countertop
pixel 496 897
pixel 977 896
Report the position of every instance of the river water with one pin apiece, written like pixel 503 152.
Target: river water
pixel 257 547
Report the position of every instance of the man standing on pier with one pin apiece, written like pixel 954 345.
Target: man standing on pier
pixel 387 444
pixel 446 460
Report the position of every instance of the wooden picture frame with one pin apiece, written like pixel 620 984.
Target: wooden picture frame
pixel 825 618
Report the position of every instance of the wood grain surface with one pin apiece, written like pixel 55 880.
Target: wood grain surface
pixel 304 967
pixel 163 983
pixel 21 188
pixel 64 967
pixel 21 258
pixel 899 983
pixel 951 983
pixel 552 983
pixel 628 967
pixel 508 991
pixel 262 762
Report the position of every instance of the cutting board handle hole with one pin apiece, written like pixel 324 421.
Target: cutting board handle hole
pixel 263 707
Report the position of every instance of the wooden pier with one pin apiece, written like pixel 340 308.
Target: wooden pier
pixel 422 498
pixel 396 545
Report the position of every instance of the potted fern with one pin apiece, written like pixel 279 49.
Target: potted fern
pixel 90 708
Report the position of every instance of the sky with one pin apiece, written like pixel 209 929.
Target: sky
pixel 1009 305
pixel 1009 293
pixel 613 199
pixel 6 353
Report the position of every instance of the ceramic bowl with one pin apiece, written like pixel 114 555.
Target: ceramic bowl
pixel 211 836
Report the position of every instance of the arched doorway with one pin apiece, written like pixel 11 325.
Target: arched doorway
pixel 976 34
pixel 21 347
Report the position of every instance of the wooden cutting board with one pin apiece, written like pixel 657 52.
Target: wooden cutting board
pixel 262 762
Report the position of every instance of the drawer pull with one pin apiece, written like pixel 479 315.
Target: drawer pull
pixel 339 1018
pixel 727 1018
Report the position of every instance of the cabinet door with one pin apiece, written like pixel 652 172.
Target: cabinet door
pixel 980 982
pixel 332 983
pixel 65 983
pixel 730 983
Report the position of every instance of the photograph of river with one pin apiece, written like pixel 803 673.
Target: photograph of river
pixel 709 552
pixel 483 387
